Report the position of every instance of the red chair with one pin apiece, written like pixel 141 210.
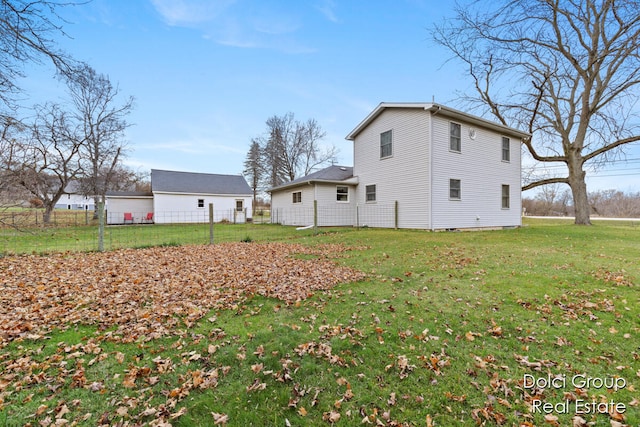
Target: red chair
pixel 148 218
pixel 128 218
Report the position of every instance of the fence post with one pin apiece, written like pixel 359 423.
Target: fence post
pixel 395 219
pixel 100 226
pixel 315 216
pixel 357 217
pixel 211 223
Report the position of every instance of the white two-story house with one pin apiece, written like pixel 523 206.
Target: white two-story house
pixel 416 165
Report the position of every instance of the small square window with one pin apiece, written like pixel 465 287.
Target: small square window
pixel 297 197
pixel 505 197
pixel 201 203
pixel 386 144
pixel 454 189
pixel 342 193
pixel 455 133
pixel 506 149
pixel 370 191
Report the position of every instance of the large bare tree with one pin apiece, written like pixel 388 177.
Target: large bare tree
pixel 27 29
pixel 100 115
pixel 292 149
pixel 45 159
pixel 568 71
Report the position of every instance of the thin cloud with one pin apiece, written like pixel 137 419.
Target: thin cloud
pixel 327 8
pixel 190 12
pixel 224 22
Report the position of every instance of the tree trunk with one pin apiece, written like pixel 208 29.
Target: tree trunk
pixel 46 216
pixel 578 185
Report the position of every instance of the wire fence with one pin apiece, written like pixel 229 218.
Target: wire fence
pixel 78 231
pixel 44 240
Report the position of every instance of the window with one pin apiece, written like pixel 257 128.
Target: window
pixel 455 133
pixel 297 197
pixel 506 149
pixel 239 205
pixel 386 144
pixel 370 193
pixel 342 193
pixel 201 203
pixel 454 189
pixel 505 197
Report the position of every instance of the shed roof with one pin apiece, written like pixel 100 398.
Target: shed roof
pixel 331 174
pixel 198 183
pixel 436 109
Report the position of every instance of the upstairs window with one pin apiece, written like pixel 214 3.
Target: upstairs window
pixel 455 137
pixel 297 197
pixel 506 149
pixel 370 193
pixel 386 144
pixel 342 193
pixel 454 189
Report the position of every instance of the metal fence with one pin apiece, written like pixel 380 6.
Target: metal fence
pixel 366 215
pixel 79 231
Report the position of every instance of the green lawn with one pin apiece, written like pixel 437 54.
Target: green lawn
pixel 444 331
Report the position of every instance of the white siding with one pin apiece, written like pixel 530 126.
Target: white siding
pixel 137 206
pixel 285 212
pixel 482 173
pixel 330 211
pixel 177 208
pixel 404 177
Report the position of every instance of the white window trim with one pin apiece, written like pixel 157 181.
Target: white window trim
pixel 502 149
pixel 459 150
pixel 293 193
pixel 390 131
pixel 376 193
pixel 198 204
pixel 459 190
pixel 348 192
pixel 508 197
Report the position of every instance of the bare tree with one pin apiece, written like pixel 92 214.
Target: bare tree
pixel 293 149
pixel 46 158
pixel 26 31
pixel 101 125
pixel 568 71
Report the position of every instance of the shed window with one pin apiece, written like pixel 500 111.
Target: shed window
pixel 386 144
pixel 239 205
pixel 454 189
pixel 201 203
pixel 505 197
pixel 455 133
pixel 506 149
pixel 297 197
pixel 370 193
pixel 342 193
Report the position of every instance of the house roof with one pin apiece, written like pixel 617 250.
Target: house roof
pixel 333 174
pixel 198 183
pixel 439 110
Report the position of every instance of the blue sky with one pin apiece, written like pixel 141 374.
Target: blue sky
pixel 207 74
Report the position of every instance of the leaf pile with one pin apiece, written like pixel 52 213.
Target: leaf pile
pixel 149 292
